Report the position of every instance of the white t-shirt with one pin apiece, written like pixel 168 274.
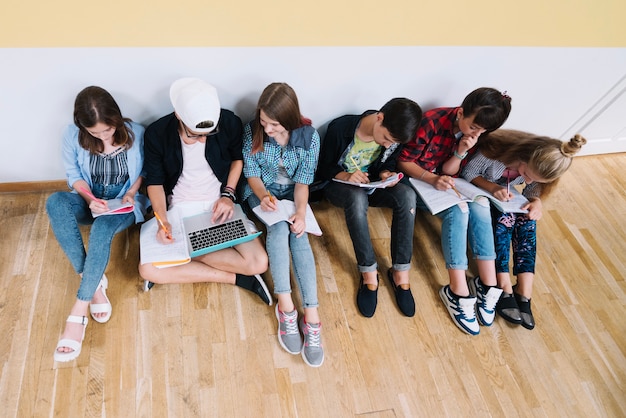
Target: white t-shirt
pixel 197 181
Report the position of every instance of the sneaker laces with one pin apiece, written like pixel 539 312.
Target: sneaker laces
pixel 490 300
pixel 468 311
pixel 291 322
pixel 313 335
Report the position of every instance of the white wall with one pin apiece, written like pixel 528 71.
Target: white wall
pixel 555 91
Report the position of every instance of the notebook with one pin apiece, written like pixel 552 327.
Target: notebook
pixel 286 209
pixel 204 236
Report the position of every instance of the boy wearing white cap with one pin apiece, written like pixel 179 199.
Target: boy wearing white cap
pixel 192 155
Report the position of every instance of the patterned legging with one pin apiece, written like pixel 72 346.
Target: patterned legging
pixel 517 231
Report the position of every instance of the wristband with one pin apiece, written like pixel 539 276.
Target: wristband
pixel 229 192
pixel 460 157
pixel 229 195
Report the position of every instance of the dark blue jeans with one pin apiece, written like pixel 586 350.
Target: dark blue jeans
pixel 355 202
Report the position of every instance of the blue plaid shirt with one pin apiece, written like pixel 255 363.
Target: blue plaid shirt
pixel 299 157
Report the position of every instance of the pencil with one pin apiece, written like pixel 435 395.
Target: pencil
pixel 167 233
pixel 457 192
pixel 88 193
pixel 508 181
pixel 270 196
pixel 354 162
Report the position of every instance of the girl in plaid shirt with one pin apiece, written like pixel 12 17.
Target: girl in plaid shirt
pixel 280 151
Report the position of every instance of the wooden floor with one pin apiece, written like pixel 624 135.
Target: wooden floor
pixel 210 350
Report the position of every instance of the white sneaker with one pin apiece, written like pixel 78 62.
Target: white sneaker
pixel 461 311
pixel 485 301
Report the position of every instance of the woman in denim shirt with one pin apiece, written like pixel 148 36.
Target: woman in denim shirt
pixel 103 159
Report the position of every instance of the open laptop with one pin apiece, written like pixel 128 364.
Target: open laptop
pixel 204 236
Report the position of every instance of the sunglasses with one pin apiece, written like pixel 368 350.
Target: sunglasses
pixel 201 125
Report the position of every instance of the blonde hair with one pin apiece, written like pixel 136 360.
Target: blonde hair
pixel 547 157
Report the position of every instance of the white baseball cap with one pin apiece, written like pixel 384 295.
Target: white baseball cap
pixel 196 104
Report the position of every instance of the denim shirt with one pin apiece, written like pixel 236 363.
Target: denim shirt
pixel 76 163
pixel 299 157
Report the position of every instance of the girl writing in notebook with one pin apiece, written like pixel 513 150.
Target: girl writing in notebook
pixel 280 150
pixel 103 159
pixel 506 158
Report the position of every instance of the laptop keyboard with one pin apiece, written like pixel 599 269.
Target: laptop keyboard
pixel 217 234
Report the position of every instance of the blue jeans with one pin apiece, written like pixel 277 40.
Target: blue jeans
pixel 66 212
pixel 462 226
pixel 355 202
pixel 280 241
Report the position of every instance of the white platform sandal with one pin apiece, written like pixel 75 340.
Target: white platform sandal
pixel 97 308
pixel 73 344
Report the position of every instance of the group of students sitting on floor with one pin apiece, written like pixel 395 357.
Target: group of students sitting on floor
pixel 203 153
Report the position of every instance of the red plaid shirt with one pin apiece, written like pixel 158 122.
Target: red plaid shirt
pixel 435 141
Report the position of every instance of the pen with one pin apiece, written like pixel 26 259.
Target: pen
pixel 167 233
pixel 508 181
pixel 88 193
pixel 354 162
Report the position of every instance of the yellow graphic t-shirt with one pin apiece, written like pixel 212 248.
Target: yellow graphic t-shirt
pixel 361 155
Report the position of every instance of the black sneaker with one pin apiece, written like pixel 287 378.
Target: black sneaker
pixel 147 285
pixel 528 321
pixel 366 299
pixel 255 284
pixel 507 308
pixel 404 297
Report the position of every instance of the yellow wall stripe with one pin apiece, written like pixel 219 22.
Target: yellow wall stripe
pixel 159 23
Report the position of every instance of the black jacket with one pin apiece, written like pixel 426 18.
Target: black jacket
pixel 338 138
pixel 163 155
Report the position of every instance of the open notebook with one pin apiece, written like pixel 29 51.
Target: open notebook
pixel 194 235
pixel 286 209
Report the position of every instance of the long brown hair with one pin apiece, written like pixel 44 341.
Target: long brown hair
pixel 549 158
pixel 280 103
pixel 95 105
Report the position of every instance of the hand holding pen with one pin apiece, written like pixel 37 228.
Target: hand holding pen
pixel 165 236
pixel 445 183
pixel 96 205
pixel 269 204
pixel 501 193
pixel 357 176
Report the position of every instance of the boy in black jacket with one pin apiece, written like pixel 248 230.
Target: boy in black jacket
pixel 362 149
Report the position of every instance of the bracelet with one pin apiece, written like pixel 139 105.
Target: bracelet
pixel 423 174
pixel 229 195
pixel 228 189
pixel 460 157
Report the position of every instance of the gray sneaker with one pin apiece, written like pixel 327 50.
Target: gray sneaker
pixel 288 333
pixel 312 351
